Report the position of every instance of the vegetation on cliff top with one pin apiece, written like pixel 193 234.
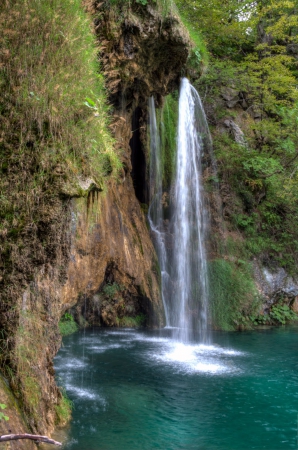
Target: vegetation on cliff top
pixel 198 54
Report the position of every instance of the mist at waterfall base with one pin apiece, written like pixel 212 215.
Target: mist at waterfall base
pixel 142 390
pixel 180 237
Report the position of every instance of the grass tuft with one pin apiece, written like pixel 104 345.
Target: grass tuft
pixel 67 325
pixel 63 410
pixel 53 96
pixel 233 295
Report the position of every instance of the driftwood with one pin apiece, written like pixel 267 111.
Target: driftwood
pixel 33 437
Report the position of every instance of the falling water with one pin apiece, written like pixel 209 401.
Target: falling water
pixel 183 261
pixel 155 214
pixel 190 303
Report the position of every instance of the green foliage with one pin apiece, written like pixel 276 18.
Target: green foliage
pixel 232 293
pixel 282 313
pixel 199 54
pixel 165 7
pixel 262 177
pixel 63 409
pixel 132 322
pixel 279 314
pixel 168 126
pixel 2 415
pixel 244 221
pixel 219 24
pixel 110 290
pixel 280 18
pixel 53 81
pixel 253 57
pixel 67 325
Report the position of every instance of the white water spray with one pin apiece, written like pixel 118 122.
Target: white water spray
pixel 155 214
pixel 183 264
pixel 190 303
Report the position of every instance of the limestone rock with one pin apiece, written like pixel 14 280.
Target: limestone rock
pixel 147 51
pixel 235 131
pixel 276 284
pixel 231 96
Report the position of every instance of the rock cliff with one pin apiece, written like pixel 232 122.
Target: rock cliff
pixel 91 249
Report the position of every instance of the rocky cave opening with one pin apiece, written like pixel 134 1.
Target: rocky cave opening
pixel 138 158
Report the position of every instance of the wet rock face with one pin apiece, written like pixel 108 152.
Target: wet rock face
pixel 144 53
pixel 276 284
pixel 112 271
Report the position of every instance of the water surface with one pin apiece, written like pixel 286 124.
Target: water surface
pixel 142 390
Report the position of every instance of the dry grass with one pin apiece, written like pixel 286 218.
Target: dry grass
pixel 48 69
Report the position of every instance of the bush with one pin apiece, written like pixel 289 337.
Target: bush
pixel 132 322
pixel 233 296
pixel 63 410
pixel 280 314
pixel 67 325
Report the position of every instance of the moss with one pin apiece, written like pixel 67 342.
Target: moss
pixel 165 7
pixel 67 325
pixel 144 208
pixel 63 410
pixel 156 270
pixel 149 279
pixel 199 57
pixel 137 238
pixel 132 322
pixel 111 289
pixel 233 295
pixel 168 124
pixel 31 391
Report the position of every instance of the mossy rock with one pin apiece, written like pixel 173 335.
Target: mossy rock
pixel 16 423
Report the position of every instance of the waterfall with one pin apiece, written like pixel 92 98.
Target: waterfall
pixel 183 260
pixel 155 213
pixel 190 302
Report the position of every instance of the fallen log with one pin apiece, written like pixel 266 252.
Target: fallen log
pixel 33 437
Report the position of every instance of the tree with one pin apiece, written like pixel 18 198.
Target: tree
pixel 254 54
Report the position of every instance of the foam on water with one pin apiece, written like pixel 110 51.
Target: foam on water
pixel 155 392
pixel 86 394
pixel 157 340
pixel 126 332
pixel 209 359
pixel 197 358
pixel 74 363
pixel 103 348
